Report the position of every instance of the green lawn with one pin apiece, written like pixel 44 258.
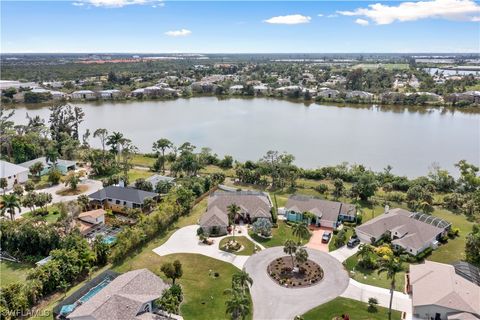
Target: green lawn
pixel 134 174
pixel 355 309
pixel 248 246
pixel 279 236
pixel 142 161
pixel 454 249
pixel 51 217
pixel 372 277
pixel 11 272
pixel 331 244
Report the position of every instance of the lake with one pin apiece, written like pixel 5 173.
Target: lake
pixel 410 140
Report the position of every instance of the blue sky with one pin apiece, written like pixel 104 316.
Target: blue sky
pixel 152 26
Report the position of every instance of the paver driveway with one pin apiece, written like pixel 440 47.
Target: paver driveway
pixel 272 301
pixel 315 241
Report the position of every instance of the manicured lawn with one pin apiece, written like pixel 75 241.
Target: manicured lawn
pixel 454 249
pixel 134 174
pixel 279 236
pixel 11 272
pixel 51 217
pixel 355 309
pixel 142 161
pixel 248 246
pixel 372 277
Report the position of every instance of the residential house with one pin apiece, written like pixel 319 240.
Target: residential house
pixel 444 292
pixel 413 232
pixel 156 178
pixel 260 89
pixel 137 92
pixel 253 205
pixel 363 95
pixel 62 165
pixel 55 95
pixel 236 89
pixel 327 213
pixel 328 93
pixel 202 87
pixel 120 198
pixel 469 96
pixel 88 220
pixel 83 95
pixel 289 90
pixel 110 94
pixel 128 296
pixel 12 173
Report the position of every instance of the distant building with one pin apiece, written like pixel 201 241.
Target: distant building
pixel 62 165
pixel 328 93
pixel 84 95
pixel 110 94
pixel 236 89
pixel 444 292
pixel 13 173
pixel 363 95
pixel 120 198
pixel 260 89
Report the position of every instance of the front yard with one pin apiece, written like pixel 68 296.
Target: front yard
pixel 355 309
pixel 279 235
pixel 248 246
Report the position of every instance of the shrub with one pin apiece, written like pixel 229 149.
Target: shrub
pixel 372 305
pixel 321 188
pixel 262 226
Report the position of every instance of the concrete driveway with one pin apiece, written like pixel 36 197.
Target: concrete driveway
pixel 272 301
pixel 185 240
pixel 315 241
pixel 343 253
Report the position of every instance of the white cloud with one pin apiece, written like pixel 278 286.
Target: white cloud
pixel 289 19
pixel 118 3
pixel 319 15
pixel 178 33
pixel 464 10
pixel 362 22
pixel 332 16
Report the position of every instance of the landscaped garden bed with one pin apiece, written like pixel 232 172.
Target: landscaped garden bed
pixel 300 276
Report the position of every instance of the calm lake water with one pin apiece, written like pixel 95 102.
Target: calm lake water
pixel 410 140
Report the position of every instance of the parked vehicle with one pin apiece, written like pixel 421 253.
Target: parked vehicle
pixel 326 237
pixel 353 242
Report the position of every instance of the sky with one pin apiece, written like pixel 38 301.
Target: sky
pixel 153 26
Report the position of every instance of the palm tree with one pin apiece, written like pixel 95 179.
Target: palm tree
pixel 160 146
pixel 238 307
pixel 233 211
pixel 391 267
pixel 365 251
pixel 301 256
pixel 10 202
pixel 290 247
pixel 300 230
pixel 242 279
pixel 114 140
pixel 72 180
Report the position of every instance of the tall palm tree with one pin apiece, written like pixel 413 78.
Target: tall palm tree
pixel 391 267
pixel 290 247
pixel 10 203
pixel 114 140
pixel 300 230
pixel 160 146
pixel 242 279
pixel 233 210
pixel 238 307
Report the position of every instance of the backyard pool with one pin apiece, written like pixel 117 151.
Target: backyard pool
pixel 110 239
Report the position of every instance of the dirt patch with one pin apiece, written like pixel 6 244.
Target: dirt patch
pixel 71 192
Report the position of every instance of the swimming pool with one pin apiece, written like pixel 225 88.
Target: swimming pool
pixel 94 290
pixel 109 239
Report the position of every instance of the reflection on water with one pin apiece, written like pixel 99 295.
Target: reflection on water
pixel 410 139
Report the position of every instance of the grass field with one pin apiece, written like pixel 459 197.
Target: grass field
pixel 142 161
pixel 279 236
pixel 11 272
pixel 134 174
pixel 52 216
pixel 248 246
pixel 355 309
pixel 372 277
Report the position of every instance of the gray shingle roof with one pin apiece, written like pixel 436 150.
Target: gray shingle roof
pixel 156 178
pixel 123 297
pixel 324 209
pixel 256 204
pixel 412 233
pixel 122 193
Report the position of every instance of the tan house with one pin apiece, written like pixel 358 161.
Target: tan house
pixel 443 292
pixel 86 221
pixel 413 232
pixel 129 296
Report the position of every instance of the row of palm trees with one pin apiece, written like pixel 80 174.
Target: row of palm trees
pixel 239 304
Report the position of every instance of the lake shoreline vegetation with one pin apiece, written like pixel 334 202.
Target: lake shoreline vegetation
pixel 197 172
